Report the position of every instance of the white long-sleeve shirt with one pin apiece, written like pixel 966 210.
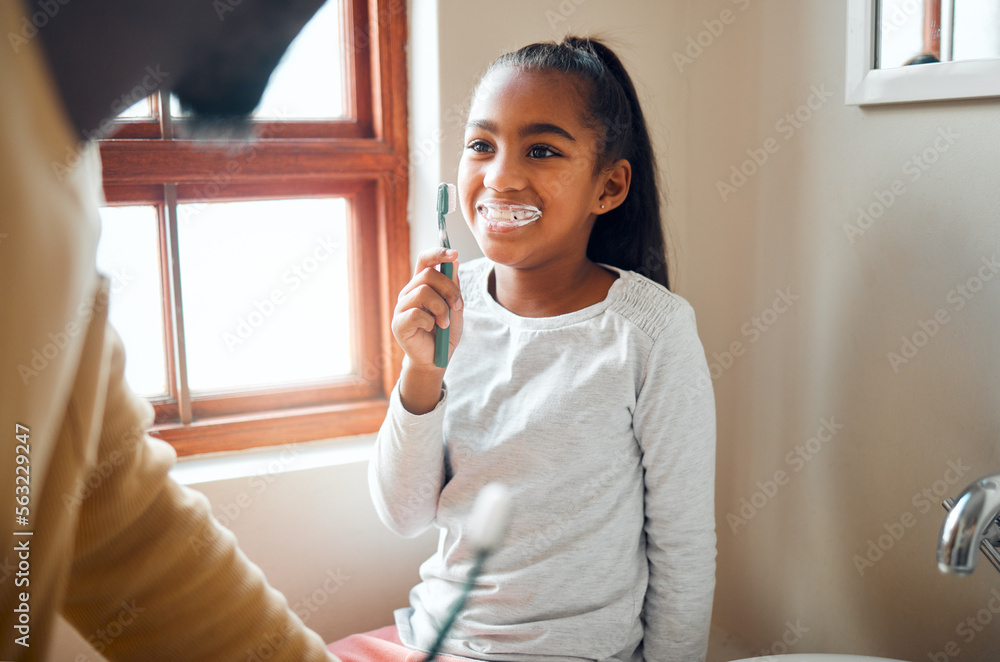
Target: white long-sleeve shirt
pixel 601 422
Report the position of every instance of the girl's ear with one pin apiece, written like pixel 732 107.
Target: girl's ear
pixel 616 183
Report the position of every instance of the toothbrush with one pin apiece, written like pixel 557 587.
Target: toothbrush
pixel 487 525
pixel 447 200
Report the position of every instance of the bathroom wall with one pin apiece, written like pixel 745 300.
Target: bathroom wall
pixel 869 431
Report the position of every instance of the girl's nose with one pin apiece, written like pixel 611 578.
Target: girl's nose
pixel 504 173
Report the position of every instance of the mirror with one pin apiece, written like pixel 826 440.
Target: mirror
pixel 922 50
pixel 914 32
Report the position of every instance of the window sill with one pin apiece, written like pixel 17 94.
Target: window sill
pixel 230 465
pixel 274 428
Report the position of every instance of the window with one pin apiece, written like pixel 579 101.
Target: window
pixel 253 283
pixel 915 32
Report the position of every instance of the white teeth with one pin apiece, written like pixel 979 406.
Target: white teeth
pixel 519 214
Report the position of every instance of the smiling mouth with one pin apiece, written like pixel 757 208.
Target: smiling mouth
pixel 504 217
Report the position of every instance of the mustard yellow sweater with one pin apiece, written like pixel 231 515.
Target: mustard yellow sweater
pixel 134 561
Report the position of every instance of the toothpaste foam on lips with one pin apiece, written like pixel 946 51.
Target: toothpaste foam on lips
pixel 508 215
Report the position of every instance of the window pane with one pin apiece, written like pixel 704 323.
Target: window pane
pixel 977 29
pixel 309 81
pixel 128 255
pixel 902 32
pixel 265 289
pixel 141 109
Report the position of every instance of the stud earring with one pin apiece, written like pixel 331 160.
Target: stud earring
pixel 602 206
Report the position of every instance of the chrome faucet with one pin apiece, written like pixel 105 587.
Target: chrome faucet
pixel 972 522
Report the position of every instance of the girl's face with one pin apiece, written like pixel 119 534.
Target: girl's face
pixel 526 144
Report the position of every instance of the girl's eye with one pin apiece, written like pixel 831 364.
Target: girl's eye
pixel 478 146
pixel 541 152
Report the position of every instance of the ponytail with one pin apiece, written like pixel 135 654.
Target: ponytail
pixel 631 235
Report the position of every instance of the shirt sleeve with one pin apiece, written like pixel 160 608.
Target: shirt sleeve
pixel 154 576
pixel 406 472
pixel 674 423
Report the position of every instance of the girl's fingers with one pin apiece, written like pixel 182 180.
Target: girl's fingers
pixel 433 257
pixel 426 298
pixel 408 322
pixel 427 274
pixel 429 300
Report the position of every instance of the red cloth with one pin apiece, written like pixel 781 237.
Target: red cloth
pixel 382 645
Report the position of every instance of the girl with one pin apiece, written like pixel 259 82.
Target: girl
pixel 575 381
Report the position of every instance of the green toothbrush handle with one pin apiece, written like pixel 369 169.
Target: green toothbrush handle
pixel 441 335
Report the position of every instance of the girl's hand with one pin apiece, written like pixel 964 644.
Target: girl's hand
pixel 423 303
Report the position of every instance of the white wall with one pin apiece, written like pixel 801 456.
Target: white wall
pixel 827 356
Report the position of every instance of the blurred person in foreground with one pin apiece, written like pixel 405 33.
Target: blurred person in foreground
pixel 131 559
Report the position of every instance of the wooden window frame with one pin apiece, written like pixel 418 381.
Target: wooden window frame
pixel 363 159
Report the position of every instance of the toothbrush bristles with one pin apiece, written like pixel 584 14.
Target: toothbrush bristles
pixel 447 200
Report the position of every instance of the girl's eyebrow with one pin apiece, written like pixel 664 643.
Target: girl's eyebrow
pixel 538 128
